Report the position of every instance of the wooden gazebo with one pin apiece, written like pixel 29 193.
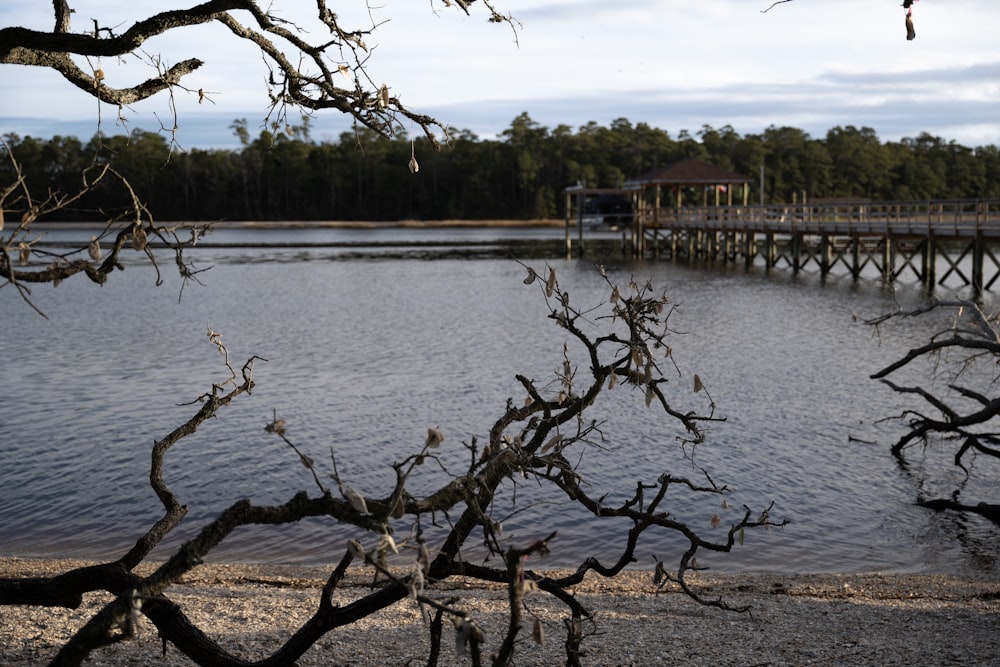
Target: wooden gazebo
pixel 692 173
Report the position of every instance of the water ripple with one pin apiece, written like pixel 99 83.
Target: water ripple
pixel 364 355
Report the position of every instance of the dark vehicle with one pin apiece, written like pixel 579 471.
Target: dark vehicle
pixel 608 209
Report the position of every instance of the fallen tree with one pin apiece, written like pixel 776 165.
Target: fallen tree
pixel 537 442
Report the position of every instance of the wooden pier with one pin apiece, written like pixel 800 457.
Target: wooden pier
pixel 935 242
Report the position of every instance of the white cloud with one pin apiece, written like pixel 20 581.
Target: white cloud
pixel 672 63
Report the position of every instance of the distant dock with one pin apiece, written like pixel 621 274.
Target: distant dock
pixel 929 241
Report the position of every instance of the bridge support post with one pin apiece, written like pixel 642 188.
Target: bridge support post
pixel 824 254
pixel 888 259
pixel 856 256
pixel 927 261
pixel 977 263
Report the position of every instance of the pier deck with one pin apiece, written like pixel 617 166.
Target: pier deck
pixel 931 241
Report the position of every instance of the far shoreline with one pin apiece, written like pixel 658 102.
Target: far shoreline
pixel 324 224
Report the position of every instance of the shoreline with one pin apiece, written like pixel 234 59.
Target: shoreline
pixel 856 619
pixel 325 224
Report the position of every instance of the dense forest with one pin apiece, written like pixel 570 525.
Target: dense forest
pixel 286 175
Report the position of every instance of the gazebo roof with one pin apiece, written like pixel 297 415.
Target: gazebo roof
pixel 689 172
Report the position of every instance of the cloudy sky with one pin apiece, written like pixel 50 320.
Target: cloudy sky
pixel 675 64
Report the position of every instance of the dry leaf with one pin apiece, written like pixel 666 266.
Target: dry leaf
pixel 387 543
pixel 356 548
pixel 537 634
pixel 277 426
pixel 434 438
pixel 356 500
pixel 398 509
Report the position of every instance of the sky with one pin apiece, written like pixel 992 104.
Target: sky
pixel 673 64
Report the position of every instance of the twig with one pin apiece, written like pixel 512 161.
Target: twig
pixel 778 2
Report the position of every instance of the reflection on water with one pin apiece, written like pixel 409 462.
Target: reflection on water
pixel 366 350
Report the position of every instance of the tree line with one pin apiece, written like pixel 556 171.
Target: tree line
pixel 283 174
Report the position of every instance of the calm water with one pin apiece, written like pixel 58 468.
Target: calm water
pixel 367 347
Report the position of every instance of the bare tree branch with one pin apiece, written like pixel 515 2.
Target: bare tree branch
pixel 533 439
pixel 960 414
pixel 310 76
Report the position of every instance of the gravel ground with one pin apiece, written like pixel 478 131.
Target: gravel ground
pixel 857 619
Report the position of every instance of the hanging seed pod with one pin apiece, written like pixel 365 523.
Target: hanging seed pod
pixel 412 165
pixel 94 248
pixel 1 219
pixel 383 96
pixel 24 253
pixel 698 386
pixel 138 237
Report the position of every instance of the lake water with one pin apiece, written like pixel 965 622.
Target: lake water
pixel 370 341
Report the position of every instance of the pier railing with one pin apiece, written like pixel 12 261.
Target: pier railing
pixel 959 217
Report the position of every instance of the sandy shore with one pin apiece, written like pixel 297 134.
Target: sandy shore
pixel 857 619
